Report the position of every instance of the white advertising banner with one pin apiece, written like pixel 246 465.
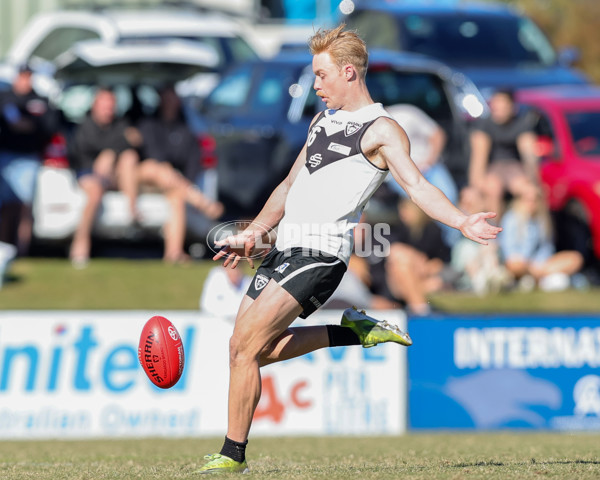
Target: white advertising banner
pixel 75 374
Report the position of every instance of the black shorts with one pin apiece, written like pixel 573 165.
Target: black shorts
pixel 309 276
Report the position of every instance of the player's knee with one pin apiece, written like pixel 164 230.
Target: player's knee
pixel 241 352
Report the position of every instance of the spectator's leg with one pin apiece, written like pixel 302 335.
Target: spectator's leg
pixel 164 177
pixel 404 277
pixel 127 178
pixel 9 220
pixel 81 244
pixel 518 267
pixel 20 177
pixel 24 230
pixel 568 262
pixel 175 227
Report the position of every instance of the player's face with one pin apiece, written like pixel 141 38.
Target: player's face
pixel 330 81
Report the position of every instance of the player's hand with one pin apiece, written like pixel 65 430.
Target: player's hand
pixel 236 247
pixel 476 227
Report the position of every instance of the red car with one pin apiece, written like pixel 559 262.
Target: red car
pixel 568 128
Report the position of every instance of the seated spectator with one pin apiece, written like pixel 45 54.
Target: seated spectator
pixel 415 264
pixel 103 155
pixel 8 253
pixel 26 125
pixel 354 290
pixel 478 268
pixel 223 291
pixel 502 152
pixel 427 142
pixel 171 158
pixel 527 247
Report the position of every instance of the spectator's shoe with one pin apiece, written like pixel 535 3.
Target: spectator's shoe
pixel 372 332
pixel 218 463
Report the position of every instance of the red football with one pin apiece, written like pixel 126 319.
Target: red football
pixel 161 352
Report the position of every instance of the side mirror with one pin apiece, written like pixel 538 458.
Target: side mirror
pixel 544 147
pixel 568 56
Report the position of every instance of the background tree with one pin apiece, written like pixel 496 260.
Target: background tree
pixel 569 23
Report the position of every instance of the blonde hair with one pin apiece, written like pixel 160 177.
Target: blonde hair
pixel 344 47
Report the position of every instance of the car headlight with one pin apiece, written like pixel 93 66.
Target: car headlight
pixel 472 105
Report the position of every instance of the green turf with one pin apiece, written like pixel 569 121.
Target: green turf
pixel 105 284
pixel 415 456
pixel 39 283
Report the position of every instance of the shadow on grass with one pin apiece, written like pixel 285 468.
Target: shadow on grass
pixel 12 278
pixel 533 461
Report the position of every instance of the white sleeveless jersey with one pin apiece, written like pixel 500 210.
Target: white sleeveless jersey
pixel 327 198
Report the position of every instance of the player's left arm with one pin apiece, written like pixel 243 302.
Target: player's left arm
pixel 393 150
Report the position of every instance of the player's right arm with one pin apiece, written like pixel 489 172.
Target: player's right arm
pixel 268 218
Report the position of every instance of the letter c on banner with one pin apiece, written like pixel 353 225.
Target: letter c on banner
pixel 294 395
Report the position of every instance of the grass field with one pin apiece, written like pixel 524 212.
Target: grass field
pixel 149 284
pixel 415 456
pixel 40 283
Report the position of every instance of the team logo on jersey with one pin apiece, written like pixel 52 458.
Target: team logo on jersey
pixel 260 281
pixel 313 135
pixel 282 267
pixel 336 147
pixel 352 128
pixel 315 160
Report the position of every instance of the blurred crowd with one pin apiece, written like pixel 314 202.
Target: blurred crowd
pixel 106 152
pixel 160 152
pixel 424 257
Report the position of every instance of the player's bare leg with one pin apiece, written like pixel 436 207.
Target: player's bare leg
pixel 261 336
pixel 262 322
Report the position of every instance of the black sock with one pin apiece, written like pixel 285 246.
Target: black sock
pixel 234 450
pixel 341 336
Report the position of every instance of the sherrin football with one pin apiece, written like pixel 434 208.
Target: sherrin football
pixel 160 352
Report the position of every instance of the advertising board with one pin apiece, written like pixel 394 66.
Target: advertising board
pixel 522 372
pixel 76 374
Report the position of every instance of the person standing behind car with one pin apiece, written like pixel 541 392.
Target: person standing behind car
pixel 427 142
pixel 503 154
pixel 103 154
pixel 26 125
pixel 171 161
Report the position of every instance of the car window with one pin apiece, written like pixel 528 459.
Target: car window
pixel 585 131
pixel 378 29
pixel 60 40
pixel 460 39
pixel 228 49
pixel 485 40
pixel 75 101
pixel 239 49
pixel 547 144
pixel 231 93
pixel 272 96
pixel 425 90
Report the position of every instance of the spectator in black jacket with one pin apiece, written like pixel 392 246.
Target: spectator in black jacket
pixel 103 153
pixel 26 124
pixel 171 162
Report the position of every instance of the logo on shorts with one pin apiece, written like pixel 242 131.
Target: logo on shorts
pixel 352 128
pixel 260 281
pixel 315 302
pixel 282 267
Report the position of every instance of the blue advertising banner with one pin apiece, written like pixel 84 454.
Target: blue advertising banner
pixel 505 372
